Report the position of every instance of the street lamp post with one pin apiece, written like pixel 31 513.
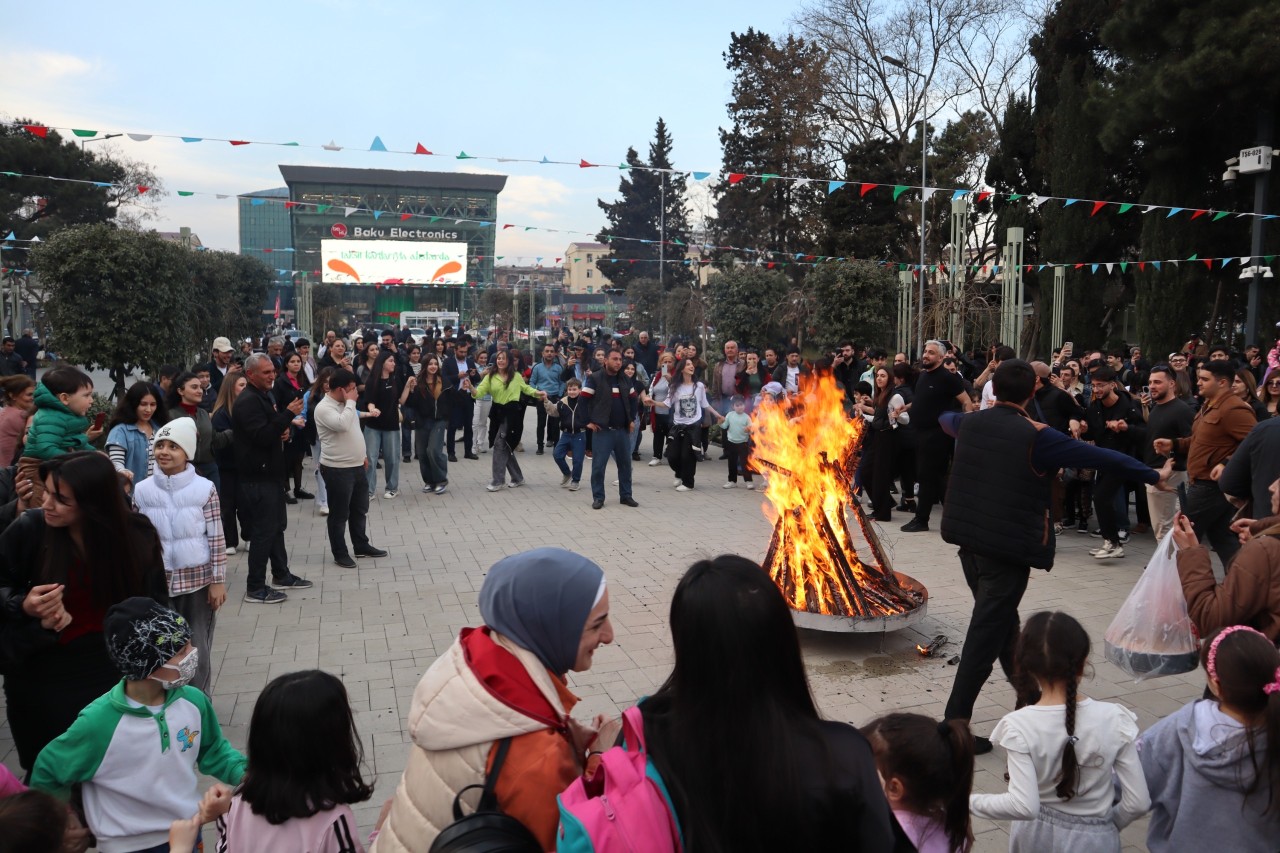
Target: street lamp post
pixel 924 159
pixel 102 138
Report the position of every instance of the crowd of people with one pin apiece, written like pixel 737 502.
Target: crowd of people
pixel 116 535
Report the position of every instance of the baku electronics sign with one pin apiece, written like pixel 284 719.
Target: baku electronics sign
pixel 393 261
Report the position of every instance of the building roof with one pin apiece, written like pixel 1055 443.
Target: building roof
pixel 392 178
pixel 589 245
pixel 275 192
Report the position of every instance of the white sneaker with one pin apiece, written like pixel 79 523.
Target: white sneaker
pixel 730 485
pixel 654 463
pixel 231 552
pixel 564 481
pixel 490 487
pixel 615 482
pixel 1112 551
pixel 573 487
pixel 389 494
pixel 324 510
pixel 751 487
pixel 677 482
pixel 683 488
pixel 515 484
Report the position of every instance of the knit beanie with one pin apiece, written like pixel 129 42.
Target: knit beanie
pixel 141 635
pixel 182 432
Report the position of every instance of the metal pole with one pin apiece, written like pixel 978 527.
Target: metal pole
pixel 924 200
pixel 1011 275
pixel 959 225
pixel 1261 182
pixel 1059 288
pixel 662 230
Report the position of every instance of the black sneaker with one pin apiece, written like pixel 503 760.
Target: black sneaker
pixel 981 745
pixel 293 582
pixel 466 456
pixel 1083 528
pixel 1123 535
pixel 635 457
pixel 628 502
pixel 290 499
pixel 540 451
pixel 345 561
pixel 915 525
pixel 597 504
pixel 1096 534
pixel 371 552
pixel 266 595
pixel 454 458
pixel 303 495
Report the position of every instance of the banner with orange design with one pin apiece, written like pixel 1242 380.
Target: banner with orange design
pixel 392 262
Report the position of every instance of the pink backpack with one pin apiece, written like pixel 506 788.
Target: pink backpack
pixel 624 807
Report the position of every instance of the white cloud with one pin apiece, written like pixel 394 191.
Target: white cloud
pixel 48 66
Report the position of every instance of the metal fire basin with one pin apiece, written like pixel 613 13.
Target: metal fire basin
pixel 867 624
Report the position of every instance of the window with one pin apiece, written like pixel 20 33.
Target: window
pixel 590 257
pixel 589 273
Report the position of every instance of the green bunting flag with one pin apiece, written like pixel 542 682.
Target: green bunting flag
pixel 84 134
pixel 1219 215
pixel 898 190
pixel 186 192
pixel 1125 208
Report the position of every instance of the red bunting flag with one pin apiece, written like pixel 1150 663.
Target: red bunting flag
pixel 268 250
pixel 583 164
pixel 770 266
pixel 558 260
pixel 420 149
pixel 238 141
pixel 735 177
pixel 505 227
pixel 866 188
pixel 984 195
pixel 405 216
pixel 291 204
pixel 1208 262
pixel 1198 214
pixel 1097 205
pixel 142 190
pixel 1077 266
pixel 1142 266
pixel 37 130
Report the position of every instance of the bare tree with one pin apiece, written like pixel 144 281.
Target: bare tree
pixel 966 53
pixel 137 197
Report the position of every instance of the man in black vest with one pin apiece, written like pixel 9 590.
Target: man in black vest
pixel 612 413
pixel 460 372
pixel 998 513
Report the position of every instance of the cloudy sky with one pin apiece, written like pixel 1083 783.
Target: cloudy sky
pixel 564 80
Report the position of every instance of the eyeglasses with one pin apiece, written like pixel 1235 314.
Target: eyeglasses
pixel 1272 383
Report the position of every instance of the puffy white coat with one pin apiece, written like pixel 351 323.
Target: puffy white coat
pixel 175 506
pixel 453 721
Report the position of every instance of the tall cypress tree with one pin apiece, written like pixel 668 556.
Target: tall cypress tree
pixel 649 222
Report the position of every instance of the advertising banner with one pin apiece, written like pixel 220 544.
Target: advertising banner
pixel 392 262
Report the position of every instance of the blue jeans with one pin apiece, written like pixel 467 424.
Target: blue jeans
pixel 386 440
pixel 575 443
pixel 606 443
pixel 432 462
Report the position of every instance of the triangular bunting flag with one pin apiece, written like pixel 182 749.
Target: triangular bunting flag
pixel 1014 196
pixel 1035 201
pixel 1173 211
pixel 377 144
pixel 434 219
pixel 1142 266
pixel 1095 267
pixel 505 227
pixel 1078 266
pixel 420 149
pixel 898 190
pixel 347 211
pixel 331 146
pixel 139 137
pixel 1194 257
pixel 959 194
pixel 832 186
pixel 1198 214
pixel 983 196
pixel 37 130
pixel 289 205
pixel 257 202
pixel 185 192
pixel 1226 261
pixel 866 188
pixel 583 164
pixel 462 155
pixel 1070 202
pixel 238 142
pixel 405 216
pixel 1109 268
pixel 700 176
pixel 1097 205
pixel 84 134
pixel 1219 215
pixel 927 192
pixel 1124 266
pixel 764 179
pixel 735 177
pixel 1156 264
pixel 377 214
pixel 1149 208
pixel 321 208
pixel 143 190
pixel 1208 263
pixel 1125 208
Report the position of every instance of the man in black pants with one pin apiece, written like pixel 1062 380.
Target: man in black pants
pixel 937 390
pixel 461 373
pixel 998 512
pixel 261 430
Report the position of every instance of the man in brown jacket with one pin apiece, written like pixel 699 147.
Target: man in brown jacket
pixel 1250 593
pixel 1221 424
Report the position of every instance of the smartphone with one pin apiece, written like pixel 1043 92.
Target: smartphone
pixel 1182 498
pixel 99 420
pixel 1068 347
pixel 1146 390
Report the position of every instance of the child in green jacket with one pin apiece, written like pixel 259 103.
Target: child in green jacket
pixel 63 397
pixel 136 749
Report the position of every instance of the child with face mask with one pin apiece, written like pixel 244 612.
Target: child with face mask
pixel 137 748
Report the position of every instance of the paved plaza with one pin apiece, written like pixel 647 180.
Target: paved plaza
pixel 381 625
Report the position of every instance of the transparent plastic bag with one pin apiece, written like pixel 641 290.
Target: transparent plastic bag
pixel 1152 634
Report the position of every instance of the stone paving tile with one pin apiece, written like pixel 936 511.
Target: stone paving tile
pixel 379 626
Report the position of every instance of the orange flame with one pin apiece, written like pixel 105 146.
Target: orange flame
pixel 807 447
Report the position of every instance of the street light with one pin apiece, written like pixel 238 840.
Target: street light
pixel 924 155
pixel 102 138
pixel 1255 161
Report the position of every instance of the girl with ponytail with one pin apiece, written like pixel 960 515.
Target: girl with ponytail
pixel 927 770
pixel 1064 750
pixel 1214 766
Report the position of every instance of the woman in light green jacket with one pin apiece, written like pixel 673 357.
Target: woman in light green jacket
pixel 506 418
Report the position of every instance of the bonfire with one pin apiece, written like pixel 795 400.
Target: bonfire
pixel 808 448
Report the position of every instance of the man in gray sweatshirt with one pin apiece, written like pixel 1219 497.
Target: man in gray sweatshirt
pixel 343 463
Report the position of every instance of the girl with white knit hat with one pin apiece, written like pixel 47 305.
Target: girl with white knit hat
pixel 184 508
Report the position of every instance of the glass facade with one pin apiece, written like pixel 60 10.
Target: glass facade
pixel 264 226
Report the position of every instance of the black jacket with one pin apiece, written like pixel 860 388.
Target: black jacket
pixel 428 407
pixel 449 373
pixel 258 425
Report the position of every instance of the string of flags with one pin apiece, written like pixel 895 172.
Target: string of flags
pixel 863 188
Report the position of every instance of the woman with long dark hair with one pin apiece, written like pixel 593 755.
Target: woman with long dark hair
pixel 130 432
pixel 904 436
pixel 382 430
pixel 687 400
pixel 877 446
pixel 185 396
pixel 61 567
pixel 430 398
pixel 506 418
pixel 657 402
pixel 311 437
pixel 290 385
pixel 805 783
pixel 228 480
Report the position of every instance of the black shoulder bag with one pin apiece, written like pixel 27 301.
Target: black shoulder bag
pixel 487 829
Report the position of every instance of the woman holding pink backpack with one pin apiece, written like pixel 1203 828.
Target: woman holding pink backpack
pixel 733 740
